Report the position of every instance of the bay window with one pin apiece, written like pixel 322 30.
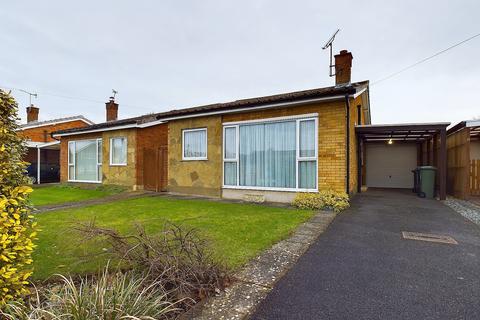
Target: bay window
pixel 85 160
pixel 271 154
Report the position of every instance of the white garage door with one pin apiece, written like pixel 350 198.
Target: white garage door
pixel 390 166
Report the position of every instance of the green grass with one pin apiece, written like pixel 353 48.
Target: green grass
pixel 42 196
pixel 236 232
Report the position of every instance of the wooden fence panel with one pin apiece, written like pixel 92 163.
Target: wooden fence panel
pixel 475 177
pixel 458 164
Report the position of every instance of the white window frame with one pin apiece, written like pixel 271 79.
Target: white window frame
pixel 72 163
pixel 183 145
pixel 297 119
pixel 111 152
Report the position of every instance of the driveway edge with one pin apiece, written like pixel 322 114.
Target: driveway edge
pixel 258 277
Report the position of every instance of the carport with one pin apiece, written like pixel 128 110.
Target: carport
pixel 388 152
pixel 44 159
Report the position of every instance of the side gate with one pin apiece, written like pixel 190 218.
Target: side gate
pixel 155 169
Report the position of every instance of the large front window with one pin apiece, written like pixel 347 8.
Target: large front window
pixel 271 155
pixel 85 160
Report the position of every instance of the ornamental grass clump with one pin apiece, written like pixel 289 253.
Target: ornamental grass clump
pixel 17 228
pixel 110 295
pixel 323 200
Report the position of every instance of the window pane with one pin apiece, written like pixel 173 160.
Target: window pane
pixel 86 160
pixel 307 138
pixel 230 143
pixel 230 173
pixel 195 145
pixel 307 174
pixel 119 150
pixel 99 151
pixel 267 155
pixel 71 151
pixel 99 173
pixel 71 173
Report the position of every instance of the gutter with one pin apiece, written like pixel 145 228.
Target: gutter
pixel 203 114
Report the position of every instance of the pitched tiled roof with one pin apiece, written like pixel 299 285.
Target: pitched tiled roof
pixel 231 106
pixel 35 124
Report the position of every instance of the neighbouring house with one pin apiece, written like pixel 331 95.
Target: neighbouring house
pixel 265 148
pixel 464 159
pixel 43 151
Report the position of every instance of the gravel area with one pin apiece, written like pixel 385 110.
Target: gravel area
pixel 467 209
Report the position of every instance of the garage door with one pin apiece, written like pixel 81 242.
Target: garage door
pixel 390 166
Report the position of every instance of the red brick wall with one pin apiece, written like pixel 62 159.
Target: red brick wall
pixel 42 134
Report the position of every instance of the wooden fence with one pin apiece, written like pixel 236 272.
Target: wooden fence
pixel 475 177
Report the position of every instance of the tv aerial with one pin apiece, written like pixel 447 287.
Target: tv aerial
pixel 30 95
pixel 329 44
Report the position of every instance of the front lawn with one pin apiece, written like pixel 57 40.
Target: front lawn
pixel 237 232
pixel 42 196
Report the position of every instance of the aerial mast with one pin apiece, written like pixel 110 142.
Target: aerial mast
pixel 329 44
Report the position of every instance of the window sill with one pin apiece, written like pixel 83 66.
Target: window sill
pixel 195 159
pixel 270 189
pixel 118 165
pixel 84 181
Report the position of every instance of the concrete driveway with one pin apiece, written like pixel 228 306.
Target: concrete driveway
pixel 362 268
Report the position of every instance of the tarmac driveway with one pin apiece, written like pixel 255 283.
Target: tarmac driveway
pixel 362 268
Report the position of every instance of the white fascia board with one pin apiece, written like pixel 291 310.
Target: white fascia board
pixel 359 93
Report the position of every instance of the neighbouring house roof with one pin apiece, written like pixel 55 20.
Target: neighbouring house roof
pixel 36 124
pixel 474 124
pixel 326 93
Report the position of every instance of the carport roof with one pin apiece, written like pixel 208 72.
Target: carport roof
pixel 400 132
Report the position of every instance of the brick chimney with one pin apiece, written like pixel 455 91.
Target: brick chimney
pixel 343 67
pixel 32 113
pixel 112 109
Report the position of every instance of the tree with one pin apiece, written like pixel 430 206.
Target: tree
pixel 17 228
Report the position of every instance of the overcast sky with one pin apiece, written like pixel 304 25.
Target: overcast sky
pixel 162 55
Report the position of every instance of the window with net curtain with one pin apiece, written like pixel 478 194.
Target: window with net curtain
pixel 195 144
pixel 118 151
pixel 85 160
pixel 268 155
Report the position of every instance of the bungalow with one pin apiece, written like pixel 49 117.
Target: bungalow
pixel 464 159
pixel 265 148
pixel 43 152
pixel 270 146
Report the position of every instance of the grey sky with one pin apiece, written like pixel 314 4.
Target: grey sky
pixel 162 55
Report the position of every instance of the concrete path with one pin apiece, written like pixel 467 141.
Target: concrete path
pixel 362 268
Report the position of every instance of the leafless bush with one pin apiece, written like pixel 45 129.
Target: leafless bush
pixel 177 257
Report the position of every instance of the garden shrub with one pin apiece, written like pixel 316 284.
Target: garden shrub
pixel 331 200
pixel 17 229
